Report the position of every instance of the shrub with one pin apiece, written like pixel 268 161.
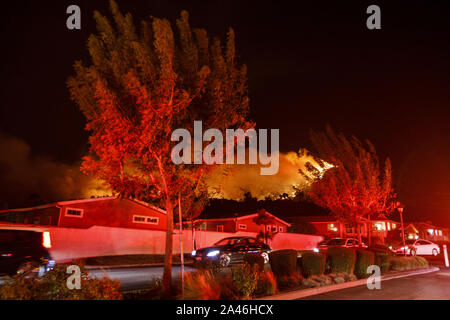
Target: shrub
pixel 364 259
pixel 201 285
pixel 313 263
pixel 408 263
pixel 203 265
pixel 254 258
pixel 245 278
pixel 53 286
pixel 383 261
pixel 283 262
pixel 341 259
pixel 266 285
pixel 292 281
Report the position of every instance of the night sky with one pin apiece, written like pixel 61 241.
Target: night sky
pixel 310 64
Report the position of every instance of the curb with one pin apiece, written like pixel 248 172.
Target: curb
pixel 293 295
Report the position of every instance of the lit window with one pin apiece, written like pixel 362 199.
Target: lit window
pixel 78 213
pixel 394 226
pixel 242 227
pixel 146 220
pixel 440 232
pixel 430 232
pixel 331 226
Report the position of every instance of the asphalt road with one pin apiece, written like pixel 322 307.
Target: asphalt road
pixel 136 278
pixel 432 286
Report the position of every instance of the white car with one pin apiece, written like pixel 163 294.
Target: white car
pixel 418 247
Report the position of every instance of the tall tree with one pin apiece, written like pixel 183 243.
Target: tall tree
pixel 356 187
pixel 140 86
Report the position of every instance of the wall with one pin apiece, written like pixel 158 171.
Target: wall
pixel 73 243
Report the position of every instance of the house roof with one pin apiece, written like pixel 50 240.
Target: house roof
pixel 71 202
pixel 325 219
pixel 238 216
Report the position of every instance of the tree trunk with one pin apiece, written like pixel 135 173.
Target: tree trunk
pixel 358 232
pixel 167 274
pixel 369 231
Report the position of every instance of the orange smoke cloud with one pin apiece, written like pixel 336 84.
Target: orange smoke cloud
pixel 233 181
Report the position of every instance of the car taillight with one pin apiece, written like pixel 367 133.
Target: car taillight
pixel 46 241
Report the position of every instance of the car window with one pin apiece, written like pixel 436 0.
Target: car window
pixel 243 241
pixel 251 240
pixel 336 242
pixel 227 241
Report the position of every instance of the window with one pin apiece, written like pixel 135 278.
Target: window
pixel 394 226
pixel 274 228
pixel 440 232
pixel 146 220
pixel 36 220
pixel 268 228
pixel 349 228
pixel 70 212
pixel 220 228
pixel 280 229
pixel 242 227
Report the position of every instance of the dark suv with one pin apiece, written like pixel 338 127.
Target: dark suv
pixel 232 250
pixel 22 250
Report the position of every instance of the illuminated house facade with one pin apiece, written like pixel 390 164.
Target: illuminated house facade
pixel 238 222
pixel 330 227
pixel 425 230
pixel 107 212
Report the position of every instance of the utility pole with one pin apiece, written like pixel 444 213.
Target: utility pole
pixel 400 208
pixel 181 245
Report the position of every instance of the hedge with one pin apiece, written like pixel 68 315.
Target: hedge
pixel 254 258
pixel 341 259
pixel 364 259
pixel 400 263
pixel 313 264
pixel 283 262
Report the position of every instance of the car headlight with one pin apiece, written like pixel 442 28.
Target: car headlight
pixel 316 250
pixel 194 253
pixel 213 253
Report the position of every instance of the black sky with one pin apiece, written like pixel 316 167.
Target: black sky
pixel 310 63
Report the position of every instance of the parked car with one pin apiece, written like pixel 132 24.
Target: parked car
pixel 22 250
pixel 417 247
pixel 232 250
pixel 338 242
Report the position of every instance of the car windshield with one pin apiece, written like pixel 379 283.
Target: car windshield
pixel 227 241
pixel 336 242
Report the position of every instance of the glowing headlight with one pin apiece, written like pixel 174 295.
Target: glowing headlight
pixel 194 253
pixel 213 253
pixel 316 250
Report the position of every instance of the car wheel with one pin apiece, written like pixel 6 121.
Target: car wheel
pixel 266 257
pixel 434 252
pixel 413 252
pixel 224 260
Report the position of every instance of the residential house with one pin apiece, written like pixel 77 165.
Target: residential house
pixel 331 227
pixel 425 230
pixel 107 211
pixel 232 223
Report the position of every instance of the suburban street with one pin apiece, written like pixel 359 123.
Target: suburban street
pixel 136 278
pixel 433 286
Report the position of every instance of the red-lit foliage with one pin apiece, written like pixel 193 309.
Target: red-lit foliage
pixel 139 88
pixel 356 186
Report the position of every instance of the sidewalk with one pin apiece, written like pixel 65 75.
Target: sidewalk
pixel 298 294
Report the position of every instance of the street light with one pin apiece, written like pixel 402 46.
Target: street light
pixel 400 208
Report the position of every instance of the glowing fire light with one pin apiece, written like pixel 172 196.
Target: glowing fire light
pixel 46 241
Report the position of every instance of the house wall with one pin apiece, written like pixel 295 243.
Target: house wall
pixel 253 227
pixel 75 243
pixel 111 213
